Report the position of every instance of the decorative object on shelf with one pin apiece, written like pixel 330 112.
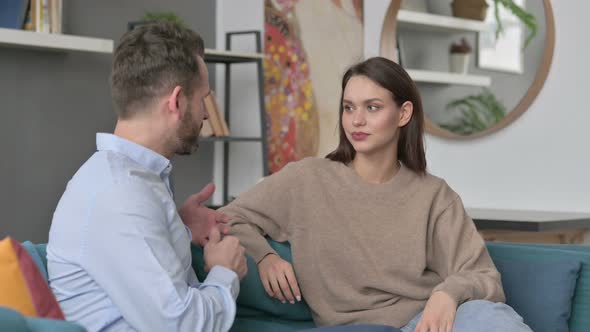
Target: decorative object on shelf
pixel 475 113
pixel 43 16
pixel 459 58
pixel 471 9
pixel 415 5
pixel 516 92
pixel 206 129
pixel 216 119
pixel 13 13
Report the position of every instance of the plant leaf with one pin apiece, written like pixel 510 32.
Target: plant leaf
pixel 163 17
pixel 476 113
pixel 528 19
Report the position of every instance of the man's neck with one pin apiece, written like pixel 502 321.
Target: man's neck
pixel 142 131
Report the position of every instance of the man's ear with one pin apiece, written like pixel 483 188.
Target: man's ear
pixel 405 114
pixel 174 99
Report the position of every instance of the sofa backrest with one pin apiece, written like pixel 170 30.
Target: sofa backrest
pixel 579 320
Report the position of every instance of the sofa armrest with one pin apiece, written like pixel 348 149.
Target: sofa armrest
pixel 13 321
pixel 52 325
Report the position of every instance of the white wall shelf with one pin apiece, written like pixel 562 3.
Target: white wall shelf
pixel 439 23
pixel 436 77
pixel 57 42
pixel 221 56
pixel 61 42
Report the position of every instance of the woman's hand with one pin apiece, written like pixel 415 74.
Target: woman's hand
pixel 439 314
pixel 278 279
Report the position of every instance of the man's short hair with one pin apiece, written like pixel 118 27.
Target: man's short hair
pixel 150 61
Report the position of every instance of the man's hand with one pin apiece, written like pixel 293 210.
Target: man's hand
pixel 439 314
pixel 227 253
pixel 201 219
pixel 278 279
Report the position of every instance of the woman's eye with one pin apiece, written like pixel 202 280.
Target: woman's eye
pixel 347 108
pixel 373 108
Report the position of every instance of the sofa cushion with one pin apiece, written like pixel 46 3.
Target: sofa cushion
pixel 541 292
pixel 13 321
pixel 579 320
pixel 269 324
pixel 354 328
pixel 22 287
pixel 252 293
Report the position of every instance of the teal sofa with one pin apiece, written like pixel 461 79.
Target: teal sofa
pixel 258 312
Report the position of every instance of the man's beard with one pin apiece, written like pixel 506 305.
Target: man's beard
pixel 188 134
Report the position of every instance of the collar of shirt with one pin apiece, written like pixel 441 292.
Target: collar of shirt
pixel 149 159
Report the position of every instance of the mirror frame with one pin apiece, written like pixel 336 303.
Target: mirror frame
pixel 387 50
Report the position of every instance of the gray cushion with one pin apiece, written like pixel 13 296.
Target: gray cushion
pixel 541 292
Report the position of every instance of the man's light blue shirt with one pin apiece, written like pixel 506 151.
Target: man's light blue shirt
pixel 119 255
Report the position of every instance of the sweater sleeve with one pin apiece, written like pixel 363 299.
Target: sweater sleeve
pixel 458 254
pixel 264 210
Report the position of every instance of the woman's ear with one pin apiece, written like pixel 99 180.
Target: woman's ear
pixel 405 114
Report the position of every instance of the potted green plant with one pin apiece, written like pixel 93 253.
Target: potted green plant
pixel 460 55
pixel 163 17
pixel 477 10
pixel 156 17
pixel 474 113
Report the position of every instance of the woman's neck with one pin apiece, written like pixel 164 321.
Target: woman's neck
pixel 376 169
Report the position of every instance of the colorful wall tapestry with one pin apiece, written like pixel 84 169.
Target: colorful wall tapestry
pixel 309 44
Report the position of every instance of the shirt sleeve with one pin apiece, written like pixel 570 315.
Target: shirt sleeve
pixel 128 250
pixel 264 210
pixel 458 254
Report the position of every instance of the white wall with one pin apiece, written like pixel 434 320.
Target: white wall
pixel 539 162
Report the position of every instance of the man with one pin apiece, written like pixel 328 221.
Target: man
pixel 119 252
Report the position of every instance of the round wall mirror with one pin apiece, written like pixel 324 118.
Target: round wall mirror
pixel 473 81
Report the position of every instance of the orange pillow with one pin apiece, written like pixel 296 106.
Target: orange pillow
pixel 22 287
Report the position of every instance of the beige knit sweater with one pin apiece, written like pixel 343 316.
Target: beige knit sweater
pixel 367 253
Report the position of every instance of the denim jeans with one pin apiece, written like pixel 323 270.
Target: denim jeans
pixel 481 316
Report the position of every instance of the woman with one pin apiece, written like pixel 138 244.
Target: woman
pixel 374 237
